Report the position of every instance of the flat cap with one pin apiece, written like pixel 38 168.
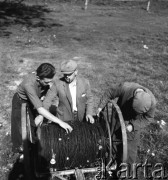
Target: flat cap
pixel 68 67
pixel 142 102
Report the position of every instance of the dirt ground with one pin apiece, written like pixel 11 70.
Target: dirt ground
pixel 111 42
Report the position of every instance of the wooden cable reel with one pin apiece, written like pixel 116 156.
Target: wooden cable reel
pixel 110 119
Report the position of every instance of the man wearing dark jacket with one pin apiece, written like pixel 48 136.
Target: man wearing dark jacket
pixel 137 105
pixel 74 94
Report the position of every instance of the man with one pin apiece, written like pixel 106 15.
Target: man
pixel 137 105
pixel 74 94
pixel 30 91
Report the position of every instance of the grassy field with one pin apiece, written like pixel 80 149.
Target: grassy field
pixel 111 42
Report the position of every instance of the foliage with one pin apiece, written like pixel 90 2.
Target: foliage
pixel 153 148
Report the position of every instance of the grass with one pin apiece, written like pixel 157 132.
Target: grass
pixel 107 41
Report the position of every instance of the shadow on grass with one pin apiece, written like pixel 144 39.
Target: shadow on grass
pixel 29 167
pixel 12 13
pixel 17 171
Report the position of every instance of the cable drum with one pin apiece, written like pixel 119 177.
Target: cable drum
pixel 80 148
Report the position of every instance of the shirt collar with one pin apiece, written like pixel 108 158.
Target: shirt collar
pixel 73 83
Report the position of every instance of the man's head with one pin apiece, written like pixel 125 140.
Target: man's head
pixel 69 70
pixel 142 102
pixel 45 73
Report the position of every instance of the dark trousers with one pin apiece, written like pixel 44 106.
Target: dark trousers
pixel 16 135
pixel 133 143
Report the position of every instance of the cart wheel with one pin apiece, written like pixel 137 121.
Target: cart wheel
pixel 112 121
pixel 26 143
pixel 118 130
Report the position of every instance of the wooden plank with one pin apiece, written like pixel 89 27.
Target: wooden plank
pixel 23 122
pixel 68 172
pixel 26 153
pixel 29 129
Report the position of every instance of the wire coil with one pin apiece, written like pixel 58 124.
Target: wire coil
pixel 80 148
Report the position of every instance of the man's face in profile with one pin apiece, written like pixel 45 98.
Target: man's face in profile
pixel 70 77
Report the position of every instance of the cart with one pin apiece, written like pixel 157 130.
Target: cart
pixel 112 122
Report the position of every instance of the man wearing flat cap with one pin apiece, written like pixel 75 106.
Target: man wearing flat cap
pixel 137 105
pixel 74 94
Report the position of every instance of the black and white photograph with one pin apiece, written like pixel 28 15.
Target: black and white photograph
pixel 84 89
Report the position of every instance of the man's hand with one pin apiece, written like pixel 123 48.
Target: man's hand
pixel 66 126
pixel 98 111
pixel 39 120
pixel 129 127
pixel 90 118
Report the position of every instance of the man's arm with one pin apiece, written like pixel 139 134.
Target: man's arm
pixel 89 102
pixel 42 111
pixel 32 95
pixel 110 94
pixel 50 96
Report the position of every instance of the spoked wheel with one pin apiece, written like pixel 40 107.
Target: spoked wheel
pixel 113 124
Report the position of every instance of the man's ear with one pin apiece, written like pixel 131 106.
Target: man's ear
pixel 37 77
pixel 76 72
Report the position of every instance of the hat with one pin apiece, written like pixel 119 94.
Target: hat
pixel 142 102
pixel 68 67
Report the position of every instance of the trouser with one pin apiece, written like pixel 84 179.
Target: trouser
pixel 133 141
pixel 16 135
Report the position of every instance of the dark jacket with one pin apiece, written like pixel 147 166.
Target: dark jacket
pixel 125 94
pixel 61 90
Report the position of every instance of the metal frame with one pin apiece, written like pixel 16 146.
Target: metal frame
pixel 108 113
